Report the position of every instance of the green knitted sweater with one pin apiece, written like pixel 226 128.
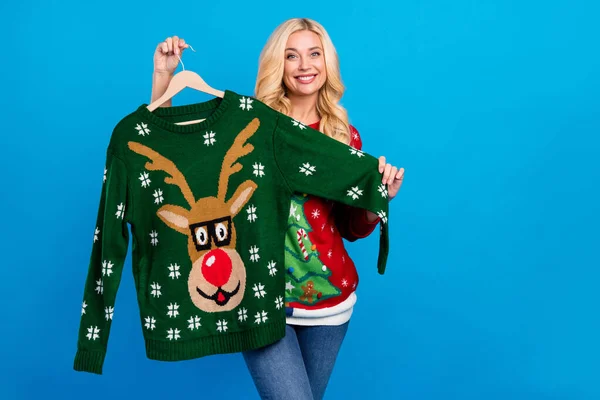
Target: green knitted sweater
pixel 207 205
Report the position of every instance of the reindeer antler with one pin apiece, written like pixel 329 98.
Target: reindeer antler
pixel 160 163
pixel 237 150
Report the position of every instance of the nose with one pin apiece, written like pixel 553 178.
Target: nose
pixel 216 267
pixel 304 65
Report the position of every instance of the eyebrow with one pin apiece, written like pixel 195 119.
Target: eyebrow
pixel 312 48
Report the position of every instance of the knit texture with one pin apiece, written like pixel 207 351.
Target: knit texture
pixel 207 205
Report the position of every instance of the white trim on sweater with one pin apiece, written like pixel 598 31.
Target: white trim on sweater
pixel 335 315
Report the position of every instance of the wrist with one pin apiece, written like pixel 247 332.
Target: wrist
pixel 162 74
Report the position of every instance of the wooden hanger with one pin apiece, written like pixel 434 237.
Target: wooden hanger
pixel 179 82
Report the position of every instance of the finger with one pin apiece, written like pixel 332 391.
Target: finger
pixel 175 45
pixel 381 164
pixel 400 174
pixel 164 47
pixel 386 173
pixel 393 172
pixel 170 44
pixel 182 44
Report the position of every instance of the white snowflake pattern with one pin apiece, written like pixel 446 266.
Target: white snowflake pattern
pixel 242 315
pixel 279 302
pixel 289 286
pixel 93 333
pixel 307 169
pixel 155 289
pixel 100 286
pixel 383 190
pixel 173 334
pixel 344 283
pixel 354 285
pixel 259 169
pixel 316 213
pixel 259 290
pixel 145 179
pixel 298 124
pixel 260 317
pixel 158 196
pixel 356 152
pixel 154 238
pixel 246 103
pixel 251 210
pixel 355 192
pixel 222 325
pixel 254 256
pixel 108 313
pixel 383 216
pixel 194 323
pixel 172 313
pixel 107 268
pixel 174 271
pixel 96 233
pixel 120 211
pixel 272 269
pixel 293 210
pixel 83 306
pixel 150 323
pixel 209 138
pixel 330 253
pixel 142 129
pixel 104 178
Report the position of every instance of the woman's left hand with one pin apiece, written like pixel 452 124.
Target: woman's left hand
pixel 392 177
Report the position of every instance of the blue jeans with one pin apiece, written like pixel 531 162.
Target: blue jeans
pixel 298 366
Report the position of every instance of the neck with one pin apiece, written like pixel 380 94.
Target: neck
pixel 304 108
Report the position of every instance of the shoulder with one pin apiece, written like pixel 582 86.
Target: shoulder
pixel 355 139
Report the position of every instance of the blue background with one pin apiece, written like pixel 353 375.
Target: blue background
pixel 493 108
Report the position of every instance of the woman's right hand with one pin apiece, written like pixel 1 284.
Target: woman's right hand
pixel 165 56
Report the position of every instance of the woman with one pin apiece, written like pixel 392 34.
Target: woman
pixel 299 76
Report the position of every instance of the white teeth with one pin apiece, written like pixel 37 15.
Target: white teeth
pixel 306 78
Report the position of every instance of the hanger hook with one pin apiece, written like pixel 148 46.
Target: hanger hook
pixel 183 66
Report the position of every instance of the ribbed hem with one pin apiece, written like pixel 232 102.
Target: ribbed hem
pixel 89 361
pixel 232 342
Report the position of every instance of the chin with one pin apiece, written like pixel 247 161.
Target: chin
pixel 305 90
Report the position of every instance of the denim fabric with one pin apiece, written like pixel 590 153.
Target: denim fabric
pixel 298 366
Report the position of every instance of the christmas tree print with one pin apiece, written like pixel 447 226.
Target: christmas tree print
pixel 304 266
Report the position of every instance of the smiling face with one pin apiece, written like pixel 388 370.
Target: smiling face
pixel 304 65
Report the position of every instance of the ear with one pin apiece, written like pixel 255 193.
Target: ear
pixel 241 197
pixel 175 217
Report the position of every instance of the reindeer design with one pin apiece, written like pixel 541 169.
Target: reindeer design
pixel 217 280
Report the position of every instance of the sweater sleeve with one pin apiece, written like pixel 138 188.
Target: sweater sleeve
pixel 352 222
pixel 316 164
pixel 109 250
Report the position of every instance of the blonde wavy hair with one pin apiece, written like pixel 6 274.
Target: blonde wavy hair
pixel 271 90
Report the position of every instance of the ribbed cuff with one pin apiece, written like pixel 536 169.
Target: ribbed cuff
pixel 89 361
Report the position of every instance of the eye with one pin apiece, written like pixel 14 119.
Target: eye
pixel 316 54
pixel 221 231
pixel 290 55
pixel 201 236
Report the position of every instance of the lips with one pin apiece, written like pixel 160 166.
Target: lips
pixel 221 297
pixel 306 78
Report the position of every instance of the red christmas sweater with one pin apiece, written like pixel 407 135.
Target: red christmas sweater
pixel 321 278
